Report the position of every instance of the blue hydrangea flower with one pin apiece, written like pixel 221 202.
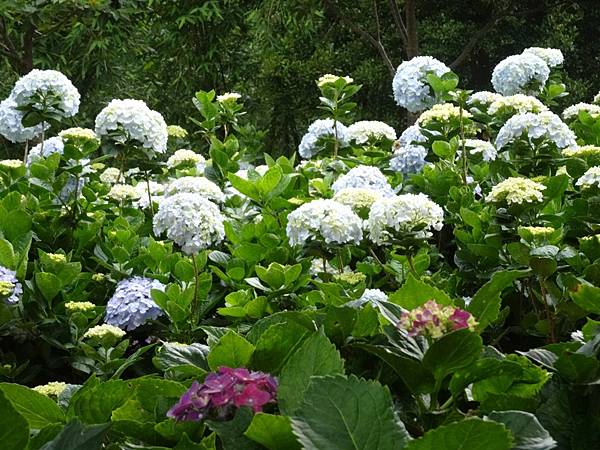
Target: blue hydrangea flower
pixel 309 146
pixel 408 159
pixel 411 90
pixel 7 275
pixel 520 74
pixel 131 305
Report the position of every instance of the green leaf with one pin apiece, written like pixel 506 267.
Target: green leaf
pixel 95 403
pixel 171 356
pixel 443 149
pixel 527 431
pixel 587 297
pixel 7 255
pixel 36 408
pixel 45 435
pixel 452 352
pixel 270 180
pixel 231 432
pixel 470 434
pixel 577 367
pixel 316 356
pixel 48 284
pixel 272 432
pixel 338 414
pixel 276 345
pixel 14 432
pixel 415 293
pixel 76 436
pixel 232 350
pixel 485 305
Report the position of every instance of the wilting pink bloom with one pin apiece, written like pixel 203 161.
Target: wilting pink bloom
pixel 434 320
pixel 223 392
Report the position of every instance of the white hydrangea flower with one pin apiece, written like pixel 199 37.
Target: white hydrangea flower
pixel 596 99
pixel 324 219
pixel 309 145
pixel 329 78
pixel 196 185
pixel 545 124
pixel 37 84
pixel 572 112
pixel 552 56
pixel 518 103
pixel 51 145
pixel 110 175
pixel 407 213
pixel 516 191
pixel 411 90
pixel 78 133
pixel 485 148
pixel 156 191
pixel 520 74
pixel 138 122
pixel 11 163
pixel 581 151
pixel 483 98
pixel 590 178
pixel 123 192
pixel 367 177
pixel 442 113
pixel 373 296
pixel 188 158
pixel 10 123
pixel 228 96
pixel 101 331
pixel 357 198
pixel 191 221
pixel 370 130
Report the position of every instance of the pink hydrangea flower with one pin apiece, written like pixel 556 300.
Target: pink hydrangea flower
pixel 434 320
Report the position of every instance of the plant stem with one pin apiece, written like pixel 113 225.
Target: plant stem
pixel 411 266
pixel 195 299
pixel 462 144
pixel 336 144
pixel 341 262
pixel 150 204
pixel 549 314
pixel 26 151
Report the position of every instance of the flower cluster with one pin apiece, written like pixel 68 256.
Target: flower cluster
pixel 411 136
pixel 433 320
pixel 483 98
pixel 408 159
pixel 310 144
pixel 373 296
pixel 358 199
pixel 366 177
pixel 11 163
pixel 572 112
pixel 49 147
pixel 10 287
pixel 78 134
pixel 590 178
pixel 328 220
pixel 175 131
pixel 196 185
pixel 553 57
pixel 514 104
pixel 545 124
pixel 520 74
pixel 442 113
pixel 367 131
pixel 110 176
pixel 477 146
pixel 79 306
pixel 407 213
pixel 192 222
pixel 48 89
pixel 411 90
pixel 123 192
pixel 228 96
pixel 186 158
pixel 52 389
pixel 10 123
pixel 223 392
pixel 581 151
pixel 516 191
pixel 156 191
pixel 131 305
pixel 330 79
pixel 103 331
pixel 125 120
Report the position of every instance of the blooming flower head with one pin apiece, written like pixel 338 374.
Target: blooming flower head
pixel 545 124
pixel 72 307
pixel 358 199
pixel 103 331
pixel 136 122
pixel 186 158
pixel 572 112
pixel 366 177
pixel 52 389
pixel 516 191
pixel 37 85
pixel 156 191
pixel 10 123
pixel 408 213
pixel 123 192
pixel 223 392
pixel 351 278
pixel 51 145
pixel 228 96
pixel 191 221
pixel 552 56
pixel 330 79
pixel 373 296
pixel 11 163
pixel 78 134
pixel 408 159
pixel 582 151
pixel 590 178
pixel 520 74
pixel 443 113
pixel 10 287
pixel 131 305
pixel 514 104
pixel 176 131
pixel 483 98
pixel 411 136
pixel 370 131
pixel 485 148
pixel 328 220
pixel 538 235
pixel 311 142
pixel 433 320
pixel 110 175
pixel 196 185
pixel 411 90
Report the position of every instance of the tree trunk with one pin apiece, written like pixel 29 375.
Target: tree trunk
pixel 412 44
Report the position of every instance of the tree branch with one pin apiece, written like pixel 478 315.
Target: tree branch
pixel 475 39
pixel 399 22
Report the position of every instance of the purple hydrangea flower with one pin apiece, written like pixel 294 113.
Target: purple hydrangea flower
pixel 223 392
pixel 9 276
pixel 434 320
pixel 131 305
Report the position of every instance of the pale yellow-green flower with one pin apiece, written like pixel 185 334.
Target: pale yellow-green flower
pixel 581 151
pixel 351 278
pixel 357 198
pixel 516 191
pixel 52 389
pixel 101 331
pixel 57 257
pixel 329 78
pixel 122 192
pixel 442 113
pixel 110 175
pixel 79 306
pixel 98 277
pixel 228 96
pixel 176 131
pixel 11 163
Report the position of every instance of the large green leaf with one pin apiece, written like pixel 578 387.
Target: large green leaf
pixel 232 350
pixel 76 436
pixel 272 432
pixel 414 293
pixel 37 409
pixel 527 431
pixel 171 356
pixel 470 434
pixel 276 345
pixel 587 297
pixel 317 356
pixel 94 403
pixel 14 432
pixel 340 413
pixel 452 352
